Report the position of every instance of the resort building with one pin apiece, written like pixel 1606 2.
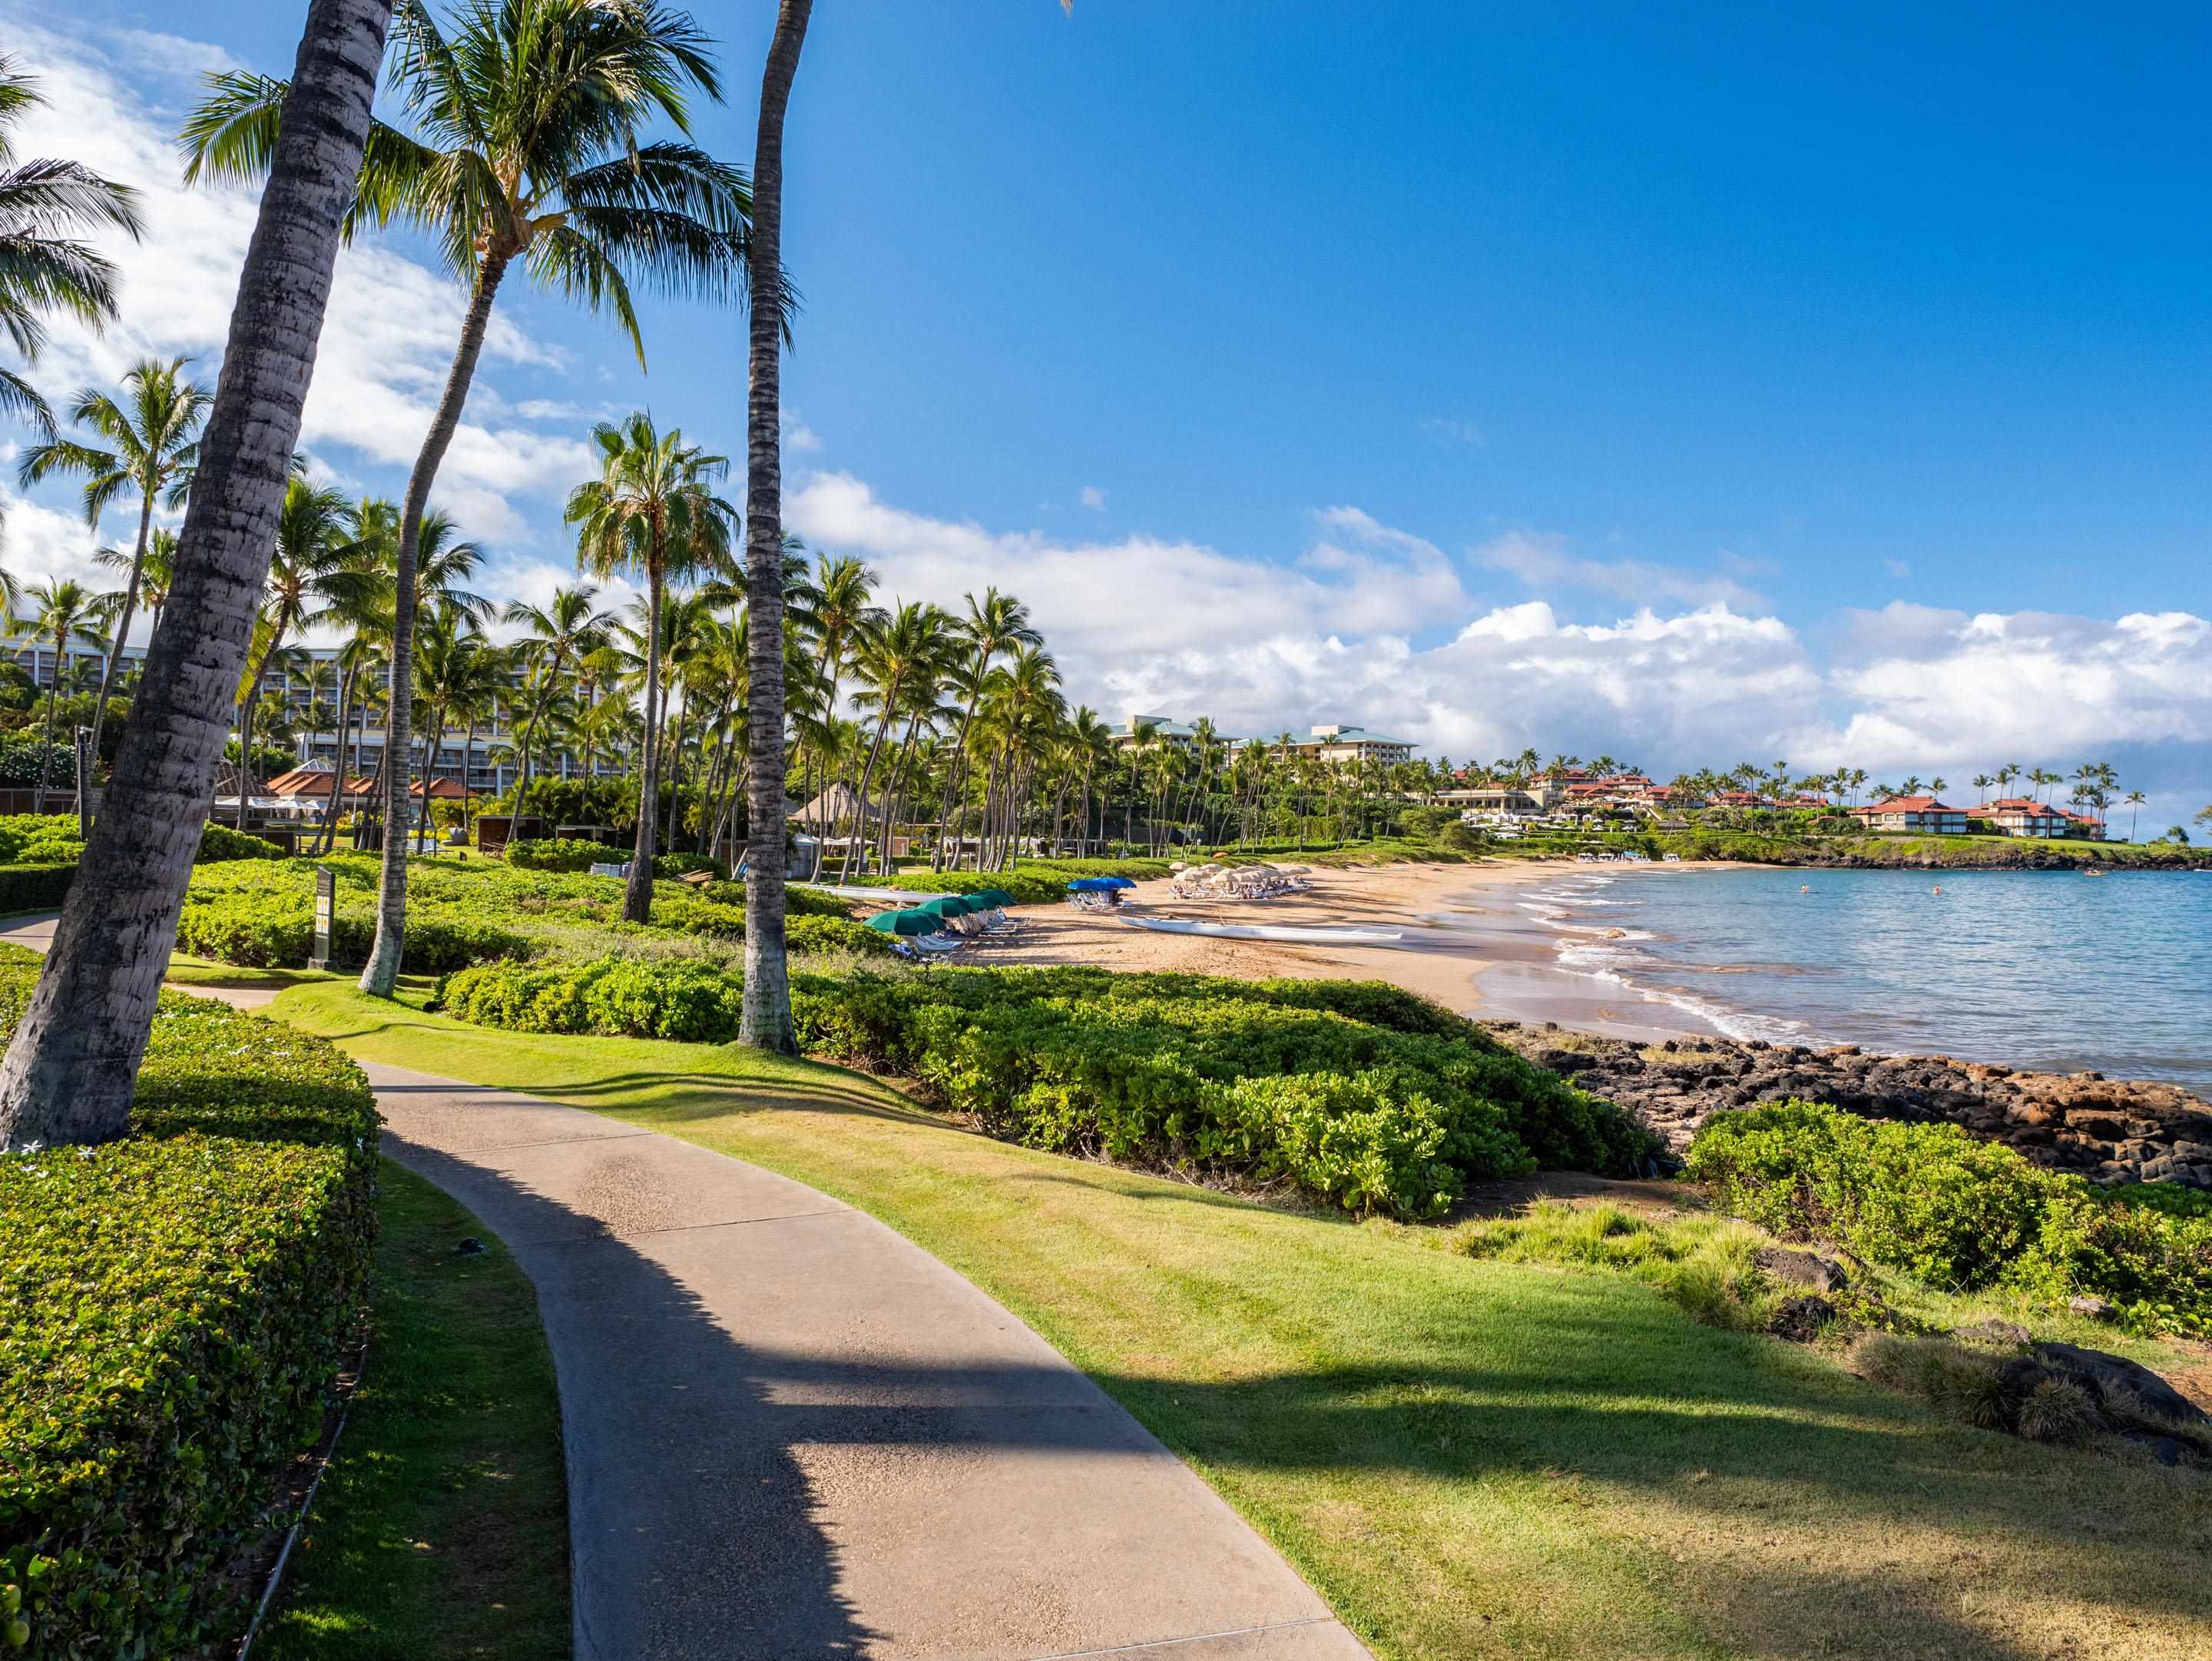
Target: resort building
pixel 490 762
pixel 1923 813
pixel 1165 730
pixel 2017 816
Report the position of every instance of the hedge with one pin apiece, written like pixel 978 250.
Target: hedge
pixel 548 855
pixel 173 1307
pixel 261 931
pixel 1393 1108
pixel 611 996
pixel 36 887
pixel 1958 1213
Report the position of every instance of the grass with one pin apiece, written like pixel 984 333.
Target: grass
pixel 440 1530
pixel 1468 1457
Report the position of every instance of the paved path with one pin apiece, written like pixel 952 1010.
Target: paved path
pixel 793 1433
pixel 37 932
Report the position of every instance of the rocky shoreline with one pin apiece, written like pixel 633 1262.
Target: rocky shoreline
pixel 2111 1131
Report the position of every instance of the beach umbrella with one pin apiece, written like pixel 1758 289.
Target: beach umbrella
pixel 951 905
pixel 1092 885
pixel 905 923
pixel 997 897
pixel 1117 882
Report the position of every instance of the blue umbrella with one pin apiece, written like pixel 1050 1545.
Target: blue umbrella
pixel 1117 882
pixel 1091 885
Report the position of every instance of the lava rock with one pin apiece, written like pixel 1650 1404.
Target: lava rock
pixel 2105 1375
pixel 1802 1269
pixel 1801 1319
pixel 2003 1335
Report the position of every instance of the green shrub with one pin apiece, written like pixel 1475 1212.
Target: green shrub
pixel 1956 1212
pixel 267 930
pixel 611 996
pixel 36 887
pixel 219 842
pixel 173 1307
pixel 1258 1082
pixel 548 855
pixel 807 933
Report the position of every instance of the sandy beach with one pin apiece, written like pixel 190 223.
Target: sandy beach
pixel 1469 943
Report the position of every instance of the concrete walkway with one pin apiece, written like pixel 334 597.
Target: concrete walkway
pixel 793 1433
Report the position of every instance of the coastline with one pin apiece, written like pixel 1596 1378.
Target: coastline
pixel 1475 942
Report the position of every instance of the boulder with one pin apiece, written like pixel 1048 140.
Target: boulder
pixel 1799 1320
pixel 2095 1308
pixel 2002 1334
pixel 2107 1376
pixel 1802 1269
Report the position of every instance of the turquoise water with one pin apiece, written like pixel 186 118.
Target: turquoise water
pixel 2035 969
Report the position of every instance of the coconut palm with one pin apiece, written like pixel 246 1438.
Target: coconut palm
pixel 651 514
pixel 61 616
pixel 909 649
pixel 45 266
pixel 456 672
pixel 73 1062
pixel 994 626
pixel 764 1020
pixel 311 550
pixel 525 153
pixel 554 638
pixel 152 434
pixel 2135 799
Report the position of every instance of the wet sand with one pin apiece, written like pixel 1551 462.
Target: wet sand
pixel 1469 943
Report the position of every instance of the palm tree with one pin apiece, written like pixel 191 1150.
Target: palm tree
pixel 71 1067
pixel 311 551
pixel 44 266
pixel 157 570
pixel 456 673
pixel 910 647
pixel 554 638
pixel 996 624
pixel 153 431
pixel 2134 799
pixel 61 615
pixel 526 152
pixel 765 1017
pixel 841 609
pixel 650 512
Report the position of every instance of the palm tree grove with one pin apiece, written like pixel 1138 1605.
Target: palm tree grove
pixel 665 994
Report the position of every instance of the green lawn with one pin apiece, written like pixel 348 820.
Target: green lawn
pixel 440 1530
pixel 1468 1457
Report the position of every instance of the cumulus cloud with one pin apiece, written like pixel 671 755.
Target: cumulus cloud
pixel 393 322
pixel 1542 560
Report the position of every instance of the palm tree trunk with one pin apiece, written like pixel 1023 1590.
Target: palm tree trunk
pixel 382 972
pixel 637 895
pixel 46 744
pixel 861 802
pixel 122 622
pixel 328 839
pixel 70 1072
pixel 765 1021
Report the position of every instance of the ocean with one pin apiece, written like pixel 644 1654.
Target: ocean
pixel 2046 970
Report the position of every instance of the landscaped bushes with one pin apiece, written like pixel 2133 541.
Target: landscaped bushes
pixel 550 855
pixel 611 996
pixel 1260 1082
pixel 173 1308
pixel 219 842
pixel 36 887
pixel 276 930
pixel 1956 1212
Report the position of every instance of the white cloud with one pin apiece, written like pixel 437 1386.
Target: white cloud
pixel 1094 498
pixel 1541 560
pixel 1901 570
pixel 393 322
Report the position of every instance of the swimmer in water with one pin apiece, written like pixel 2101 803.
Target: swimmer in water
pixel 1804 887
pixel 1937 889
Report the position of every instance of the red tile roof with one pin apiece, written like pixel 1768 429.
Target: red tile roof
pixel 1909 804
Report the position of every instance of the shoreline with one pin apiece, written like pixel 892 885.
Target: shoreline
pixel 1473 943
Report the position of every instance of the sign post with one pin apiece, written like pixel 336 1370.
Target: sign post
pixel 327 905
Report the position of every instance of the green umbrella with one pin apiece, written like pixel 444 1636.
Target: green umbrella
pixel 992 898
pixel 905 923
pixel 952 906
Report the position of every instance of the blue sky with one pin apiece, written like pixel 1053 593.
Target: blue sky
pixel 1697 385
